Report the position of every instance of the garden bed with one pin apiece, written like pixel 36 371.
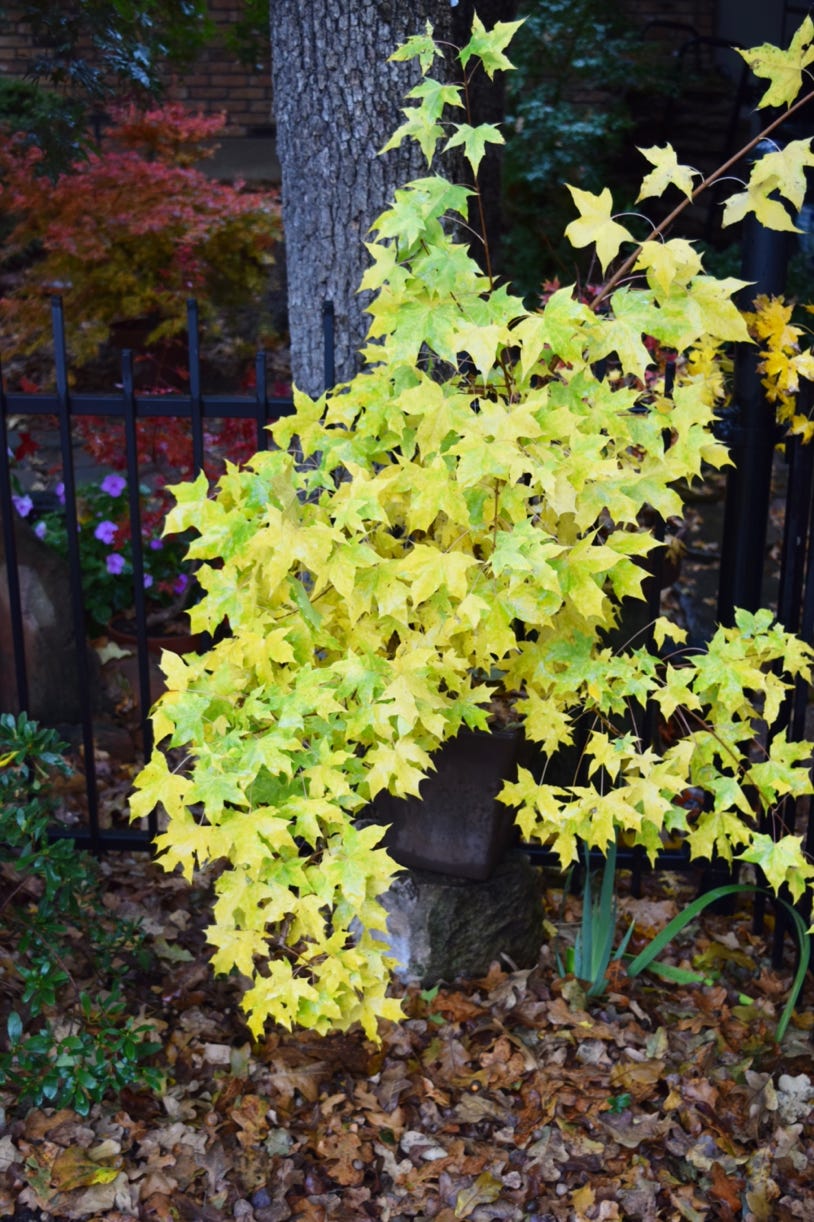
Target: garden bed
pixel 501 1098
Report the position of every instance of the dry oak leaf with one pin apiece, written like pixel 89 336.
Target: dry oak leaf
pixel 305 1081
pixel 508 1060
pixel 250 1114
pixel 9 1154
pixel 632 1131
pixel 456 1007
pixel 638 1077
pixel 63 1127
pixel 345 1156
pixel 549 1152
pixel 725 1188
pixel 795 1097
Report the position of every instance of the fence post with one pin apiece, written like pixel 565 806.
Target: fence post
pixel 10 548
pixel 753 435
pixel 77 601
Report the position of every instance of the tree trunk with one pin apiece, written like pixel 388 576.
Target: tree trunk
pixel 336 102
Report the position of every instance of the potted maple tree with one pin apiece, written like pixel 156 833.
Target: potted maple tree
pixel 468 510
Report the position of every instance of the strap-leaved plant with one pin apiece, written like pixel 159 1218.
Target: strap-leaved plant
pixel 470 506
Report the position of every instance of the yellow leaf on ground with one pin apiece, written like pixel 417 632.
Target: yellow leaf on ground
pixel 72 1168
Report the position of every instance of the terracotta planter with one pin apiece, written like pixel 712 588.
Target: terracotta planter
pixel 456 827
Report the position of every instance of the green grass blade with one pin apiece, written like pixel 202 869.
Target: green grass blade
pixel 676 975
pixel 645 960
pixel 584 957
pixel 804 943
pixel 662 939
pixel 623 945
pixel 606 894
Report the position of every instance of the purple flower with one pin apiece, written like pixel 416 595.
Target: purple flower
pixel 23 505
pixel 115 563
pixel 181 583
pixel 40 530
pixel 148 580
pixel 156 544
pixel 105 532
pixel 113 485
pixel 60 491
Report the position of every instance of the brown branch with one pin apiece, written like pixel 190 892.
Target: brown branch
pixel 685 203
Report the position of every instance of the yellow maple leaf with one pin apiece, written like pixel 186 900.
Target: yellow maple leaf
pixel 720 316
pixel 802 427
pixel 157 785
pixel 780 370
pixel 664 629
pixel 668 263
pixel 784 69
pixel 704 368
pixel 595 225
pixel 756 198
pixel 668 172
pixel 771 321
pixel 785 168
pixel 804 365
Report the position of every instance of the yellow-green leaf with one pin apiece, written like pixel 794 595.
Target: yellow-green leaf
pixel 783 69
pixel 595 225
pixel 474 141
pixel 667 173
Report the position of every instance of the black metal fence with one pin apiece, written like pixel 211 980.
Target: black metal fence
pixel 130 407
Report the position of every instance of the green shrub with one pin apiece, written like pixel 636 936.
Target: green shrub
pixel 45 119
pixel 69 1038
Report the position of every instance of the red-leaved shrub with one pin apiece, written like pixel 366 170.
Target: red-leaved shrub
pixel 130 232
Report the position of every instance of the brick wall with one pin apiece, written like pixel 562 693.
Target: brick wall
pixel 701 14
pixel 217 82
pixel 15 47
pixel 220 82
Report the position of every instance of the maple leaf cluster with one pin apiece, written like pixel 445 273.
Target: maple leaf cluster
pixel 784 359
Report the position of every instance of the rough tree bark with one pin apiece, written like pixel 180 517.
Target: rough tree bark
pixel 336 102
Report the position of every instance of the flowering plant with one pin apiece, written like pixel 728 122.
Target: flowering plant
pixel 106 546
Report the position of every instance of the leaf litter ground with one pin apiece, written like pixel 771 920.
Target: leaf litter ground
pixel 501 1098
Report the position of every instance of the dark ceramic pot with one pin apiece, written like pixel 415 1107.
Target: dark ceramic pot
pixel 456 827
